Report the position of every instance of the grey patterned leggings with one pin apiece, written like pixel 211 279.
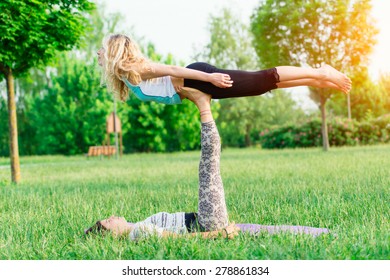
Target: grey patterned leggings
pixel 212 213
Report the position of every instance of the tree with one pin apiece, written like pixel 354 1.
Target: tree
pixel 102 24
pixel 384 87
pixel 71 116
pixel 32 32
pixel 311 32
pixel 34 86
pixel 230 47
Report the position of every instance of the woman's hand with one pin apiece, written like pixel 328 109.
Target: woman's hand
pixel 177 83
pixel 221 80
pixel 231 231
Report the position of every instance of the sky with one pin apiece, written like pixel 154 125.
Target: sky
pixel 180 27
pixel 175 26
pixel 380 60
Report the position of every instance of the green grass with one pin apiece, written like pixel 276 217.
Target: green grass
pixel 345 190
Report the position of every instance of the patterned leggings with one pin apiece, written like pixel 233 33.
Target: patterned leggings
pixel 212 213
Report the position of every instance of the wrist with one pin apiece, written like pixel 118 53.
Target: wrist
pixel 210 77
pixel 225 233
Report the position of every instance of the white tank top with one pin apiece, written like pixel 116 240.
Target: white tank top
pixel 158 223
pixel 160 90
pixel 161 87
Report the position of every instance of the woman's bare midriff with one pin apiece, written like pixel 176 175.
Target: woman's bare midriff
pixel 177 82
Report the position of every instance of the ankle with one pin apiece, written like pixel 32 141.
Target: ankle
pixel 325 72
pixel 206 116
pixel 203 106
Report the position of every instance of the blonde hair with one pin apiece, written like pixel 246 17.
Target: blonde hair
pixel 121 57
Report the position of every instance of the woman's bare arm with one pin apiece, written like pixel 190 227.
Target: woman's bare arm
pixel 159 70
pixel 229 232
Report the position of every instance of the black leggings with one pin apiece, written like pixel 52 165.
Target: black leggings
pixel 245 83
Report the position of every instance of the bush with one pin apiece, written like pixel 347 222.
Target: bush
pixel 342 132
pixel 291 136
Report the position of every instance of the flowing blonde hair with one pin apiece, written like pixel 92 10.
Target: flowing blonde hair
pixel 121 57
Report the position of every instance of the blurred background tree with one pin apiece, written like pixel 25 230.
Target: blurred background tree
pixel 241 119
pixel 311 32
pixel 32 32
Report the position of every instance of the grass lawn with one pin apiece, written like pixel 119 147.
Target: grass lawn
pixel 345 190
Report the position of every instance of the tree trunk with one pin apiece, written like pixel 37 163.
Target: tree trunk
pixel 324 127
pixel 349 106
pixel 13 128
pixel 248 141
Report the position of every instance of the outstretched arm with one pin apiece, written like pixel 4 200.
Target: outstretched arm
pixel 229 232
pixel 159 70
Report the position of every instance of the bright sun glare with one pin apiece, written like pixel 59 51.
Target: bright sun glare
pixel 380 60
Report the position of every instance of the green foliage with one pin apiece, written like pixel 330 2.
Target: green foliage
pixel 307 32
pixel 4 147
pixel 367 132
pixel 312 32
pixel 307 134
pixel 230 47
pixel 384 81
pixel 243 119
pixel 160 128
pixel 367 98
pixel 342 132
pixel 61 118
pixel 33 31
pixel 384 88
pixel 102 24
pixel 62 109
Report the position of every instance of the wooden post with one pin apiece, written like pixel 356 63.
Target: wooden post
pixel 324 128
pixel 349 106
pixel 114 126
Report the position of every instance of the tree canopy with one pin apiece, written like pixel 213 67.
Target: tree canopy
pixel 311 32
pixel 242 119
pixel 33 31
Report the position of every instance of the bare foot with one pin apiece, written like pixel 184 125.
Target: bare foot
pixel 327 84
pixel 200 99
pixel 332 75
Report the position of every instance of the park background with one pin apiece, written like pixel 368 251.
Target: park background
pixel 62 109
